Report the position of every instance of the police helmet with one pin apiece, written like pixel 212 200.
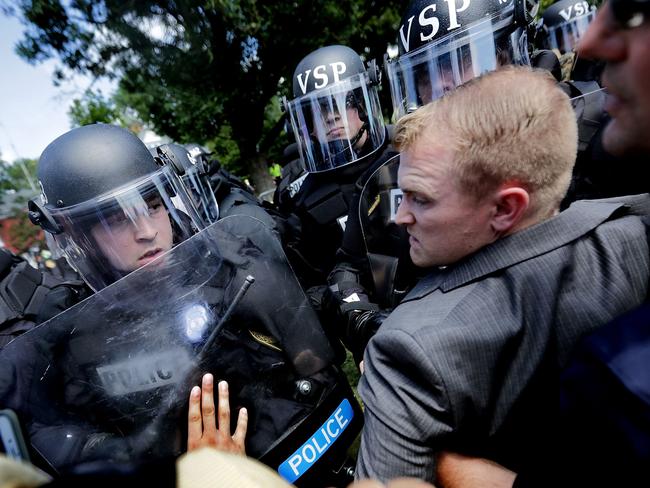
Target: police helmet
pixel 108 204
pixel 442 45
pixel 564 23
pixel 335 113
pixel 199 152
pixel 193 172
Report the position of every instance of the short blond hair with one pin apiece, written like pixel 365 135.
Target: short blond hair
pixel 514 124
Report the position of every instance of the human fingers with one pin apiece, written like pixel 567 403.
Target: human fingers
pixel 194 423
pixel 207 406
pixel 239 437
pixel 224 409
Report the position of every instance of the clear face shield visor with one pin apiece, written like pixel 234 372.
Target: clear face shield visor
pixel 565 37
pixel 337 125
pixel 429 72
pixel 200 192
pixel 107 237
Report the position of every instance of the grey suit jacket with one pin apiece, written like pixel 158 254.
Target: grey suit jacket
pixel 469 361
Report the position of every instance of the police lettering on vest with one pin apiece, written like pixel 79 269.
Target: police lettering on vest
pixel 305 457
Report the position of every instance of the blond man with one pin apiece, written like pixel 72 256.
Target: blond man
pixel 468 361
pixel 604 427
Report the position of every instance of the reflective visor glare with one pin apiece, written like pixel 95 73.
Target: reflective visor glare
pixel 337 125
pixel 428 73
pixel 129 209
pixel 202 196
pixel 565 37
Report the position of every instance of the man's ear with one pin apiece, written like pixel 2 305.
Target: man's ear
pixel 511 203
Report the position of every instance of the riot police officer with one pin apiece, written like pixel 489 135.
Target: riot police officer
pixel 560 28
pixel 77 169
pixel 103 380
pixel 29 297
pixel 445 44
pixel 339 128
pixel 108 205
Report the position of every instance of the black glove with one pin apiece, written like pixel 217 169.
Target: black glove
pixel 356 317
pixel 548 60
pixel 338 303
pixel 361 326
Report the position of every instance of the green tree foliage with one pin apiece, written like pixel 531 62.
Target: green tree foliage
pixel 93 108
pixel 204 71
pixel 18 183
pixel 21 174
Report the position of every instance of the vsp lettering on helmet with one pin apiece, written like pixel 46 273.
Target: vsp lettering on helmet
pixel 445 43
pixel 320 75
pixel 564 23
pixel 324 67
pixel 425 21
pixel 335 114
pixel 576 10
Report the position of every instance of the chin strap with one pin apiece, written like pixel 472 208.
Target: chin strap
pixel 355 140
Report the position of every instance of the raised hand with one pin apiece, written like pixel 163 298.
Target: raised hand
pixel 202 428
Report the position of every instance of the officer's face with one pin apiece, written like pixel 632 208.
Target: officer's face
pixel 336 123
pixel 444 223
pixel 446 74
pixel 626 52
pixel 129 243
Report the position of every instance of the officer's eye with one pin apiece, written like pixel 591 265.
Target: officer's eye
pixel 155 206
pixel 117 219
pixel 328 108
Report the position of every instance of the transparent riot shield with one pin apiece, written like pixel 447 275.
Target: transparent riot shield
pixel 109 379
pixel 387 245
